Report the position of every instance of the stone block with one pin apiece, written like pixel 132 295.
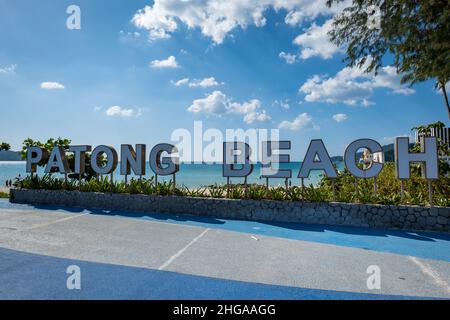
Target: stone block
pixel 442 220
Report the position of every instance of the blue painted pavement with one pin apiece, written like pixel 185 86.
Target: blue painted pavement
pixel 428 245
pixel 30 276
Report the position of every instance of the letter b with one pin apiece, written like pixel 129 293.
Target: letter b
pixel 231 159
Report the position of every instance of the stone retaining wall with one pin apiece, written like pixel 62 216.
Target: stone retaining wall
pixel 359 215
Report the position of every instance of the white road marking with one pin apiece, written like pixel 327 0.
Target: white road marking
pixel 179 253
pixel 54 222
pixel 431 273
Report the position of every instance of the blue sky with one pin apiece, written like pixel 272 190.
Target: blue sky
pixel 112 82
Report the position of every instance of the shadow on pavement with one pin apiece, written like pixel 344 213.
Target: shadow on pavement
pixel 413 235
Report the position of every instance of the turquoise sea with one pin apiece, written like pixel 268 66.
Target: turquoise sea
pixel 190 175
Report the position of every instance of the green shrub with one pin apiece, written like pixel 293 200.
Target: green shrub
pixel 277 194
pixel 217 191
pixel 388 188
pixel 236 192
pixel 295 194
pixel 346 189
pixel 256 192
pixel 196 193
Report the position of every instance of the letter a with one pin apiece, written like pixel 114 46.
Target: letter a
pixel 74 280
pixel 74 20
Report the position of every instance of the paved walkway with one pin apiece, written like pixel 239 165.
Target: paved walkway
pixel 127 255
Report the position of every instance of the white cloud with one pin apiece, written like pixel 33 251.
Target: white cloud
pixel 217 18
pixel 218 104
pixel 305 10
pixel 289 58
pixel 315 42
pixel 204 83
pixel 303 120
pixel 250 110
pixel 117 111
pixel 170 62
pixel 351 86
pixel 257 117
pixel 340 117
pixel 284 104
pixel 9 69
pixel 124 35
pixel 389 78
pixel 181 82
pixel 52 86
pixel 244 108
pixel 155 19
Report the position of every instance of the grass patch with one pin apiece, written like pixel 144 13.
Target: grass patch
pixel 4 195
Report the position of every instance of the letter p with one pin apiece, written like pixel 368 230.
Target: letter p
pixel 35 155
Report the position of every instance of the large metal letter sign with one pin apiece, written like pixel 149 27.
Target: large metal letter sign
pixel 111 159
pixel 35 155
pixel 157 160
pixel 236 153
pixel 237 161
pixel 80 157
pixel 317 150
pixel 428 158
pixel 351 161
pixel 268 158
pixel 132 160
pixel 57 160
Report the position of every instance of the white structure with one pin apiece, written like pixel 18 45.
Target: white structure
pixel 441 133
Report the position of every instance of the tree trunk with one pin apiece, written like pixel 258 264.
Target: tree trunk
pixel 444 92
